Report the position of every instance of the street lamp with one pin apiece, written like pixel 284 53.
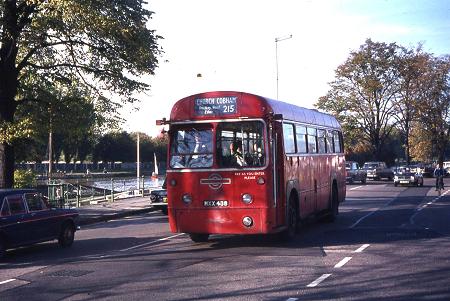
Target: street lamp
pixel 276 52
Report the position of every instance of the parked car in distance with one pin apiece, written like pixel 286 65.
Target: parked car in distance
pixel 407 176
pixel 26 218
pixel 354 172
pixel 158 198
pixel 377 170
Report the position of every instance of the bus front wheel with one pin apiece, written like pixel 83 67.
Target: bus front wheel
pixel 292 222
pixel 199 237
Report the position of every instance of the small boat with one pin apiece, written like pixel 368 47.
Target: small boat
pixel 155 172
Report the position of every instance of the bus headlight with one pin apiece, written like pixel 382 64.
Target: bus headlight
pixel 247 198
pixel 187 199
pixel 247 221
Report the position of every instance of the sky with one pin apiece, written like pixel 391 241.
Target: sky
pixel 231 43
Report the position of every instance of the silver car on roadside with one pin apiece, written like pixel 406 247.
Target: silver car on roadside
pixel 407 176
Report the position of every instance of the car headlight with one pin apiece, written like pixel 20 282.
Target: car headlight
pixel 412 178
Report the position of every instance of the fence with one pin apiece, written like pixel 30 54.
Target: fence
pixel 62 194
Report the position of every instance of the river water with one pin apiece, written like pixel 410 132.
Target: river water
pixel 128 184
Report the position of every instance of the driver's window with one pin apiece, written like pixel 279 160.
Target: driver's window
pixel 192 148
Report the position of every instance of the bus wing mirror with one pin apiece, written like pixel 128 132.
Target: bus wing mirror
pixel 163 121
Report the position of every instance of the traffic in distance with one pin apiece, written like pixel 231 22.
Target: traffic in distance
pixel 240 163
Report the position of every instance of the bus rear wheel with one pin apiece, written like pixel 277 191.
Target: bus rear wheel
pixel 199 237
pixel 334 206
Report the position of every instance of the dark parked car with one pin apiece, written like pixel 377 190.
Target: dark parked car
pixel 354 172
pixel 27 218
pixel 158 198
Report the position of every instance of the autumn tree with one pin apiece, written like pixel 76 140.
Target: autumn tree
pixel 104 45
pixel 363 91
pixel 434 102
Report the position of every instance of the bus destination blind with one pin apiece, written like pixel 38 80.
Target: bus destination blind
pixel 215 106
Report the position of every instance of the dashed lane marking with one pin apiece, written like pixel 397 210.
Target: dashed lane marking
pixel 318 280
pixel 357 187
pixel 341 263
pixel 362 248
pixel 150 243
pixel 7 281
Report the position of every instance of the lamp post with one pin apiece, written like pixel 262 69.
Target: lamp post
pixel 276 52
pixel 138 163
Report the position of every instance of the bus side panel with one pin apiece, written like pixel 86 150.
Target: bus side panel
pixel 323 198
pixel 305 176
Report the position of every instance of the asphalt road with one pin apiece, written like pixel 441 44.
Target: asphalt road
pixel 389 243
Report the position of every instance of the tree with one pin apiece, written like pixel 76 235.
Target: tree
pixel 363 91
pixel 405 103
pixel 115 146
pixel 103 44
pixel 434 102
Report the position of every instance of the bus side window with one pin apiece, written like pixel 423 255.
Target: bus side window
pixel 288 136
pixel 321 141
pixel 330 148
pixel 312 140
pixel 337 142
pixel 300 133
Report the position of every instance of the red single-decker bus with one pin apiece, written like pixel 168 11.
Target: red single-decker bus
pixel 239 163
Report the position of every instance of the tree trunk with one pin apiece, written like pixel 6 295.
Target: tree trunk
pixel 8 85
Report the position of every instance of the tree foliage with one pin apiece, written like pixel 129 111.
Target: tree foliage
pixel 383 92
pixel 48 45
pixel 363 91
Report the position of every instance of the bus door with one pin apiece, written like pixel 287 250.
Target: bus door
pixel 313 168
pixel 278 173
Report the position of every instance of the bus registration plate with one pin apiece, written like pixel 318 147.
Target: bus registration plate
pixel 215 203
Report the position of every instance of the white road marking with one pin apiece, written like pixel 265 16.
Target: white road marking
pixel 357 187
pixel 369 214
pixel 421 207
pixel 362 248
pixel 7 281
pixel 341 263
pixel 292 299
pixel 150 243
pixel 318 280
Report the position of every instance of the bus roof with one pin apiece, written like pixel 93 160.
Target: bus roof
pixel 219 105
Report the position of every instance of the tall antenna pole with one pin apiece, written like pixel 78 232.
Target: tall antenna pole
pixel 276 53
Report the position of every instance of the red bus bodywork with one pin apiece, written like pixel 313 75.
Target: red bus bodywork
pixel 303 180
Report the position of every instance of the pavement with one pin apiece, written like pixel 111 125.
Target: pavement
pixel 121 208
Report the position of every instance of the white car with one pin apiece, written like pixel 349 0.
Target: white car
pixel 407 176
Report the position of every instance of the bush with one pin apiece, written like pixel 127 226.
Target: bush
pixel 24 178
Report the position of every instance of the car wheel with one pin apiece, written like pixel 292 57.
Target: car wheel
pixel 164 210
pixel 67 235
pixel 199 237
